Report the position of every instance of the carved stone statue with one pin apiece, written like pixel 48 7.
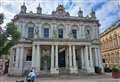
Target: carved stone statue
pixel 55 34
pixel 60 11
pixel 87 34
pixel 36 32
pixel 70 35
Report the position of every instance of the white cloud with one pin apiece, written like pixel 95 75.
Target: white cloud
pixel 12 7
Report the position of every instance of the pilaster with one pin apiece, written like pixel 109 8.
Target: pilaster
pixel 75 69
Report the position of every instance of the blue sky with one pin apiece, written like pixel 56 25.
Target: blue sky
pixel 107 11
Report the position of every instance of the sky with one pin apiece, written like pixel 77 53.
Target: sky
pixel 107 11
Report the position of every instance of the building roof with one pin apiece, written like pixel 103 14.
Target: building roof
pixel 111 28
pixel 51 17
pixel 58 14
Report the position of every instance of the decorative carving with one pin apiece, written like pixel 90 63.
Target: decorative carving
pixel 60 11
pixel 88 33
pixel 70 35
pixel 39 9
pixel 92 14
pixel 36 32
pixel 23 8
pixel 80 13
pixel 55 34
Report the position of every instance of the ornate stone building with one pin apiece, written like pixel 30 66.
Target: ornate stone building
pixel 110 46
pixel 56 43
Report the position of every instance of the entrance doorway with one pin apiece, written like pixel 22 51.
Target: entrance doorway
pixel 61 59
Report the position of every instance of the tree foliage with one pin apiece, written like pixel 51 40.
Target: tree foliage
pixel 1 18
pixel 8 38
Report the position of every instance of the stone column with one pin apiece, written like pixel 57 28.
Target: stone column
pixel 91 61
pixel 70 59
pixel 82 58
pixel 100 59
pixel 52 59
pixel 118 41
pixel 33 56
pixel 17 57
pixel 96 57
pixel 74 60
pixel 56 56
pixel 56 69
pixel 21 58
pixel 37 60
pixel 67 58
pixel 86 58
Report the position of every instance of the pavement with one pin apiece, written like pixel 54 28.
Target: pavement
pixel 65 78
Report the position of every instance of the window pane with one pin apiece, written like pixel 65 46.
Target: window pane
pixel 30 32
pixel 74 32
pixel 46 32
pixel 29 55
pixel 60 33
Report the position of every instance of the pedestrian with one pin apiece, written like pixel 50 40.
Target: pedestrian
pixel 32 75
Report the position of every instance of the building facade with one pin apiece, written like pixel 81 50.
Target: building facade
pixel 56 43
pixel 110 46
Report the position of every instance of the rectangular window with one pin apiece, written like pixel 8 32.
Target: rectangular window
pixel 30 32
pixel 29 57
pixel 60 33
pixel 74 32
pixel 46 32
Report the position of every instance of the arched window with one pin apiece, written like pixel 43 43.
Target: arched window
pixel 74 32
pixel 46 30
pixel 30 30
pixel 61 31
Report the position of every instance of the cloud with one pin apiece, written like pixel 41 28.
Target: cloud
pixel 107 11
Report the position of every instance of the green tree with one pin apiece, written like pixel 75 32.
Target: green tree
pixel 8 38
pixel 1 18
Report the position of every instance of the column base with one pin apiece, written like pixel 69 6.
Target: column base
pixel 74 70
pixel 90 70
pixel 37 70
pixel 102 69
pixel 15 72
pixel 54 71
pixel 83 68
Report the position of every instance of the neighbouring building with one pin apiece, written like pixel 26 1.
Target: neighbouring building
pixel 110 45
pixel 56 43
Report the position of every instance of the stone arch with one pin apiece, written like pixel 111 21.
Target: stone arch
pixel 46 25
pixel 31 24
pixel 74 26
pixel 60 26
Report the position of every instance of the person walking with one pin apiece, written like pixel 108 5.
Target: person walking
pixel 32 75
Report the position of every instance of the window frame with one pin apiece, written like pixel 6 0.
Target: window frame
pixel 46 34
pixel 30 32
pixel 60 33
pixel 75 31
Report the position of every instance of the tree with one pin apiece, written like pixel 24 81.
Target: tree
pixel 1 18
pixel 8 38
